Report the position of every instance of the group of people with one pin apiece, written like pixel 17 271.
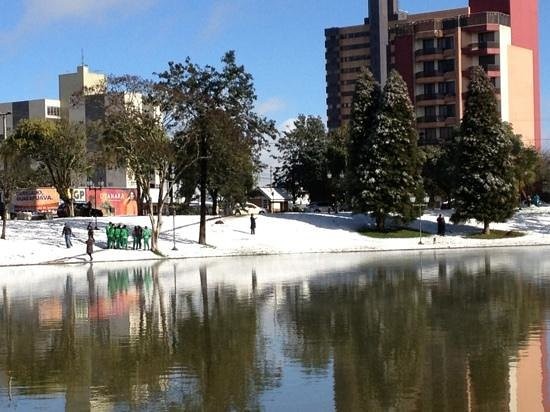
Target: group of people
pixel 117 236
pixel 67 233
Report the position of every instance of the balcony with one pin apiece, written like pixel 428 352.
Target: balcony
pixel 482 48
pixel 428 51
pixel 429 73
pixel 430 119
pixel 485 19
pixel 492 70
pixel 430 97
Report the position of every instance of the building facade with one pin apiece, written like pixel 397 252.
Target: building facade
pixel 434 53
pixel 80 100
pixel 28 109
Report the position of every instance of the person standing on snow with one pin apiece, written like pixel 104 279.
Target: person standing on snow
pixel 90 247
pixel 252 224
pixel 110 236
pixel 146 234
pixel 90 229
pixel 67 233
pixel 135 238
pixel 441 225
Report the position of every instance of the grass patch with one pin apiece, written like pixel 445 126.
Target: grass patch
pixel 496 234
pixel 393 233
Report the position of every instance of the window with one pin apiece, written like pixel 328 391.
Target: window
pixel 429 89
pixel 486 37
pixel 429 67
pixel 428 44
pixel 447 43
pixel 447 65
pixel 429 112
pixel 53 111
pixel 447 110
pixel 447 88
pixel 487 60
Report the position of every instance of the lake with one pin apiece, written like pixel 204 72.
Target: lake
pixel 401 331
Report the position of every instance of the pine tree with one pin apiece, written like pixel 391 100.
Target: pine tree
pixel 302 156
pixel 364 109
pixel 389 173
pixel 484 162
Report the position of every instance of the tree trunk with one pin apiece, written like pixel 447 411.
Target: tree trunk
pixel 380 223
pixel 203 170
pixel 215 202
pixel 4 221
pixel 486 229
pixel 156 224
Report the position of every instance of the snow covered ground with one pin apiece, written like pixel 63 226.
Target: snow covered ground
pixel 40 242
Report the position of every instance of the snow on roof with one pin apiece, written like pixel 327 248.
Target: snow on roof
pixel 275 194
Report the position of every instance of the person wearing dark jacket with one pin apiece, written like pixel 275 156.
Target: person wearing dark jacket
pixel 67 233
pixel 90 247
pixel 90 229
pixel 441 225
pixel 252 224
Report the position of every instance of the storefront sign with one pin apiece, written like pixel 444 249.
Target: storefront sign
pixel 42 199
pixel 111 201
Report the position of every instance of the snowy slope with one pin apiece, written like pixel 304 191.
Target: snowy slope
pixel 40 242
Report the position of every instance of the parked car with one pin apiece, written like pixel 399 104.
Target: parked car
pixel 248 209
pixel 80 209
pixel 319 207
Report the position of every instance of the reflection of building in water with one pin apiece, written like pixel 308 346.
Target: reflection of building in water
pixel 529 377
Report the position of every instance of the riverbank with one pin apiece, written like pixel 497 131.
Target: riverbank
pixel 41 242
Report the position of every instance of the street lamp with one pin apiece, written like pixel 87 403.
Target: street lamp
pixel 4 132
pixel 172 182
pixel 420 204
pixel 95 188
pixel 4 124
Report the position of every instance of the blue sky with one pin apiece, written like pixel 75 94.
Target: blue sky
pixel 281 42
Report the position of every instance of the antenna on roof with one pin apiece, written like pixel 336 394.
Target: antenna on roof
pixel 82 56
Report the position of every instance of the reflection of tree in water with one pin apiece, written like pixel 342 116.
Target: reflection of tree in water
pixel 219 345
pixel 215 345
pixel 373 330
pixel 398 343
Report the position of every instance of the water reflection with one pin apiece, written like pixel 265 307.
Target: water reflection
pixel 441 331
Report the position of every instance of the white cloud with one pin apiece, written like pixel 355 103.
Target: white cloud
pixel 39 13
pixel 272 105
pixel 218 18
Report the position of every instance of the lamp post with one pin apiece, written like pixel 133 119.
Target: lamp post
pixel 4 132
pixel 173 208
pixel 423 202
pixel 95 188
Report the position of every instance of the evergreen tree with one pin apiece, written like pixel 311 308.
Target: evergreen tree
pixel 486 184
pixel 302 157
pixel 364 109
pixel 389 172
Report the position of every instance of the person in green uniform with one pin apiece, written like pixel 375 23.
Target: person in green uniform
pixel 125 234
pixel 146 233
pixel 110 236
pixel 118 236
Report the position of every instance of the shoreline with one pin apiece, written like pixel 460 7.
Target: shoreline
pixel 327 252
pixel 39 243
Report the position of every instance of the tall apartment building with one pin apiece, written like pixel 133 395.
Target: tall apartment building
pixel 434 53
pixel 82 100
